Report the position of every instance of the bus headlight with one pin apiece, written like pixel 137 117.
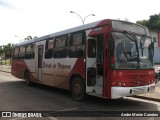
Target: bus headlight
pixel 124 84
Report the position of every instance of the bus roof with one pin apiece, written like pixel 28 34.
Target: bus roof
pixel 71 30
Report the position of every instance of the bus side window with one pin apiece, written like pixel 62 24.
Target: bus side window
pixel 60 49
pixel 49 48
pixel 15 52
pixel 30 51
pixel 22 52
pixel 33 50
pixel 76 46
pixel 91 48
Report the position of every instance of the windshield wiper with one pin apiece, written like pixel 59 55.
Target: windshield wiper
pixel 128 35
pixel 134 39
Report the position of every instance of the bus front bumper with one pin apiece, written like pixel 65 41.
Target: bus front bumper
pixel 118 92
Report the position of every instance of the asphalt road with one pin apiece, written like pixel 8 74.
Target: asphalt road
pixel 15 95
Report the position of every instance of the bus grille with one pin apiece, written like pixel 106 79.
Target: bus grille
pixel 138 80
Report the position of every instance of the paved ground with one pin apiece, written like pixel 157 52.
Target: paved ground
pixel 150 96
pixel 58 104
pixel 5 68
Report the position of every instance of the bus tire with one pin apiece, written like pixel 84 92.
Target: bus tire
pixel 77 89
pixel 27 79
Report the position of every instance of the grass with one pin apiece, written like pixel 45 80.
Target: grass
pixel 3 62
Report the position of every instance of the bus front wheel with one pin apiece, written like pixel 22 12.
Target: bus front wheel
pixel 27 78
pixel 77 89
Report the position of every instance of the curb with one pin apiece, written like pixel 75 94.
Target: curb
pixel 5 71
pixel 147 98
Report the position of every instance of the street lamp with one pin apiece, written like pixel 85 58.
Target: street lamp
pixel 19 38
pixel 83 20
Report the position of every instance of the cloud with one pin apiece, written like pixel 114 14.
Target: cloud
pixel 6 5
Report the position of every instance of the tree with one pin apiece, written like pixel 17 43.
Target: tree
pixel 35 37
pixel 5 50
pixel 1 50
pixel 1 53
pixel 28 38
pixel 153 22
pixel 143 22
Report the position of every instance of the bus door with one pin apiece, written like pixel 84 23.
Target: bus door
pixel 94 65
pixel 91 65
pixel 39 60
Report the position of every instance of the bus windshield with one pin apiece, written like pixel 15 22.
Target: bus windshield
pixel 132 51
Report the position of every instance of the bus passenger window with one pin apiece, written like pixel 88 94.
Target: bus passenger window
pixel 91 48
pixel 22 52
pixel 60 50
pixel 16 52
pixel 49 48
pixel 76 46
pixel 30 51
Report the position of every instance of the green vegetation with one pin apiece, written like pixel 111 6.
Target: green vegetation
pixel 6 50
pixel 5 62
pixel 30 38
pixel 153 22
pixel 5 53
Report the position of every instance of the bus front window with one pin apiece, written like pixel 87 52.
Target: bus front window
pixel 132 51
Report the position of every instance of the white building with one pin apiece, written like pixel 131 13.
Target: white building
pixel 156 38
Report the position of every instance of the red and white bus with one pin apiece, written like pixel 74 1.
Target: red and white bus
pixel 108 58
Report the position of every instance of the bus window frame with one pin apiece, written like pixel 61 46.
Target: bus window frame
pixel 24 53
pixel 17 57
pixel 51 49
pixel 55 48
pixel 32 55
pixel 82 46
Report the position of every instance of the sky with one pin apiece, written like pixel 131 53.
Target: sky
pixel 20 18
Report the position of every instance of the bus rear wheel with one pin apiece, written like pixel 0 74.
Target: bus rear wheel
pixel 27 78
pixel 77 89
